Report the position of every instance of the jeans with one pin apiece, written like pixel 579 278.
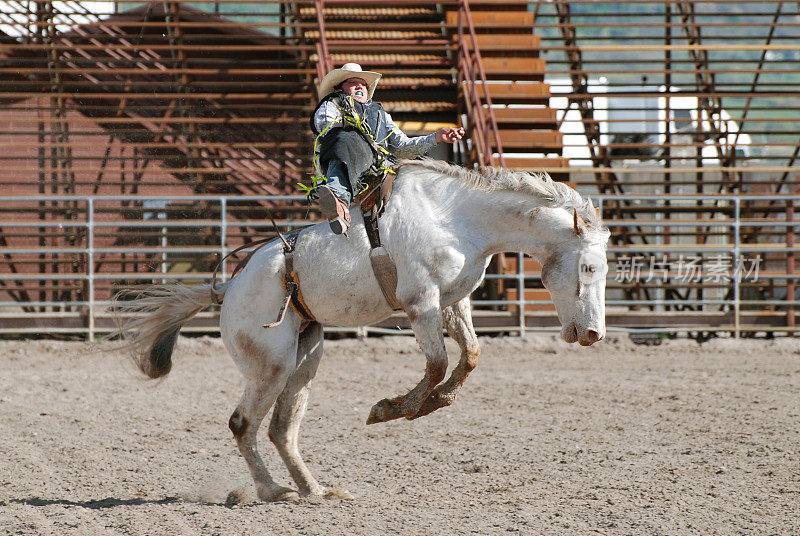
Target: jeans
pixel 338 181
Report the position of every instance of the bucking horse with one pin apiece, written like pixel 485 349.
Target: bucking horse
pixel 441 226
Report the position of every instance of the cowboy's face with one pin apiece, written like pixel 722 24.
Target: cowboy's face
pixel 356 88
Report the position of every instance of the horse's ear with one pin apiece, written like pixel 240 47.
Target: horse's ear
pixel 578 225
pixel 590 206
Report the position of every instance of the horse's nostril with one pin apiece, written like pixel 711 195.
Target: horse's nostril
pixel 570 334
pixel 591 337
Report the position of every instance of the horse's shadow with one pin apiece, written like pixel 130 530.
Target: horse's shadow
pixel 98 504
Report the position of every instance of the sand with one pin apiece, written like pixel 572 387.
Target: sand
pixel 545 438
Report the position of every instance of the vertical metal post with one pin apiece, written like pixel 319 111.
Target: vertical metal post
pixel 164 244
pixel 660 292
pixel 90 263
pixel 324 61
pixel 223 235
pixel 668 89
pixel 521 292
pixel 790 266
pixel 600 211
pixel 736 273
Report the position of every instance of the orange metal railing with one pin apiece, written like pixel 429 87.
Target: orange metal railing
pixel 481 123
pixel 324 62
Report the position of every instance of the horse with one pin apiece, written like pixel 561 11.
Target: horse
pixel 441 226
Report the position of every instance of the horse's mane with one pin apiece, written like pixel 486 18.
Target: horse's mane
pixel 550 193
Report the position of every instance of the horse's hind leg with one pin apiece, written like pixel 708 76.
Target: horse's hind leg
pixel 458 322
pixel 291 407
pixel 266 378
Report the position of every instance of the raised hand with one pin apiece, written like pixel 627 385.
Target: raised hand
pixel 449 134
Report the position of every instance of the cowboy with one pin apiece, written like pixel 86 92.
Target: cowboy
pixel 354 134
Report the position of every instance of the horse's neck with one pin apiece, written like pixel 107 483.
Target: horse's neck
pixel 509 221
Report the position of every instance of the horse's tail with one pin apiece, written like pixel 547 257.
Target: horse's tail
pixel 156 315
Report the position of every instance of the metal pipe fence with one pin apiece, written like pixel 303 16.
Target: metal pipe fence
pixel 707 268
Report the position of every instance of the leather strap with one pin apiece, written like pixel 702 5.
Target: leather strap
pixel 291 285
pixel 386 274
pixel 386 191
pixel 371 226
pixel 382 265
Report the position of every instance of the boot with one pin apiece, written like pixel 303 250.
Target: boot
pixel 334 210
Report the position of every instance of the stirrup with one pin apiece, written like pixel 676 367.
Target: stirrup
pixel 334 210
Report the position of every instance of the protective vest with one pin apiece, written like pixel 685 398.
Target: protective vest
pixel 369 118
pixel 365 156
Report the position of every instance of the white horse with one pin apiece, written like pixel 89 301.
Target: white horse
pixel 441 227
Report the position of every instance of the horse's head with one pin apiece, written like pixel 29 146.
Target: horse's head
pixel 575 275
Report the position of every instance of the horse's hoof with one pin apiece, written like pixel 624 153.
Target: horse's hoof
pixel 337 493
pixel 381 412
pixel 279 495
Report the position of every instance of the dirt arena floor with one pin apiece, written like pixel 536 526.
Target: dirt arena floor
pixel 545 438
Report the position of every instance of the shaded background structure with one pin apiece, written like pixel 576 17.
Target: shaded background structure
pixel 142 141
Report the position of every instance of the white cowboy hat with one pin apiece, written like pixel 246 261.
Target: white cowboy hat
pixel 348 70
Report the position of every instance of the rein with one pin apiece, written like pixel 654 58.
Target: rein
pixel 216 295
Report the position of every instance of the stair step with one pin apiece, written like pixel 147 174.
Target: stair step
pixel 498 6
pixel 542 118
pixel 369 13
pixel 514 93
pixel 419 94
pixel 393 46
pixel 419 107
pixel 532 140
pixel 503 42
pixel 557 168
pixel 413 82
pixel 376 60
pixel 537 164
pixel 394 70
pixel 334 35
pixel 521 5
pixel 495 19
pixel 528 69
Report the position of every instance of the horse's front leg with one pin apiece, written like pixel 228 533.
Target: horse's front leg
pixel 427 325
pixel 458 322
